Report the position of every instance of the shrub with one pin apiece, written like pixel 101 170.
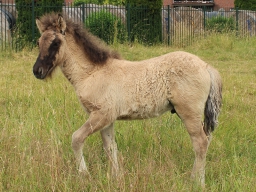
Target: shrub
pixel 145 22
pixel 99 2
pixel 80 2
pixel 106 26
pixel 220 24
pixel 28 11
pixel 246 5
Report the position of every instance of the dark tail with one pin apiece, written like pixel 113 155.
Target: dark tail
pixel 213 103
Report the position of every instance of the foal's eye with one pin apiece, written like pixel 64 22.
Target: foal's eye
pixel 55 43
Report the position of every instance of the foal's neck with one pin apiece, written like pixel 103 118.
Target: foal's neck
pixel 76 66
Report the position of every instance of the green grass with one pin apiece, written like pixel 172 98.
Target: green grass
pixel 37 119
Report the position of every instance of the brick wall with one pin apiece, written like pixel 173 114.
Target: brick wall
pixel 167 2
pixel 69 1
pixel 12 1
pixel 7 1
pixel 223 4
pixel 218 4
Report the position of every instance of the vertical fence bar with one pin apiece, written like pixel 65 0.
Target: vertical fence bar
pixel 168 25
pixel 129 22
pixel 204 9
pixel 5 27
pixel 237 22
pixel 83 14
pixel 33 23
pixel 1 32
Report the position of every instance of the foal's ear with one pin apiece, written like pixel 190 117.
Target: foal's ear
pixel 39 25
pixel 61 24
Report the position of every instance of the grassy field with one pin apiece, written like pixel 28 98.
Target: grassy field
pixel 37 119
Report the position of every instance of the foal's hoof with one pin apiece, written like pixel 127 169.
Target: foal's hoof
pixel 84 173
pixel 200 181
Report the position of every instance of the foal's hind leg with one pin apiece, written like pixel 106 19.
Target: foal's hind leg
pixel 109 144
pixel 96 122
pixel 200 142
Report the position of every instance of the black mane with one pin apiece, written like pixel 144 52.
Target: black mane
pixel 93 47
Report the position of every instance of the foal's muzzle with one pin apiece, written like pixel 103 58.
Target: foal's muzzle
pixel 41 70
pixel 39 73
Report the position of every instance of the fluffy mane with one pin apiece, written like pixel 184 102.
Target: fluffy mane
pixel 93 47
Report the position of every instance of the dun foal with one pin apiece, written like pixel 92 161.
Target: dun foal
pixel 111 89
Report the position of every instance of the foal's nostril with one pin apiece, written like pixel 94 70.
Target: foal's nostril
pixel 40 71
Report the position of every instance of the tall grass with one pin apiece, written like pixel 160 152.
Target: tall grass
pixel 37 120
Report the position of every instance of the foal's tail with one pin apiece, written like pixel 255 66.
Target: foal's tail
pixel 213 103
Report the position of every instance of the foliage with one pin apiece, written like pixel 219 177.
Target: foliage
pixel 144 21
pixel 151 4
pixel 246 5
pixel 220 24
pixel 28 11
pixel 106 26
pixel 99 2
pixel 79 2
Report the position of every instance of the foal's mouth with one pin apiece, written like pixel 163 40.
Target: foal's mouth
pixel 42 73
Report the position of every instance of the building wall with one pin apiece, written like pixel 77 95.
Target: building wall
pixel 7 1
pixel 69 1
pixel 224 4
pixel 12 1
pixel 167 2
pixel 218 4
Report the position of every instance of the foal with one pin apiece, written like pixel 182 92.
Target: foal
pixel 111 89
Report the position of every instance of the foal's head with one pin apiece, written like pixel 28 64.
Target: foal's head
pixel 50 46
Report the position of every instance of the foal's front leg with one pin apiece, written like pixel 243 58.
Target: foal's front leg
pixel 96 121
pixel 110 147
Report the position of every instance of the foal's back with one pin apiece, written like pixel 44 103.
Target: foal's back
pixel 145 89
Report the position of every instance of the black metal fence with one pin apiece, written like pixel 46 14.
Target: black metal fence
pixel 179 26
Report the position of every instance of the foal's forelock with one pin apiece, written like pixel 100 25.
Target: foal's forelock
pixel 45 42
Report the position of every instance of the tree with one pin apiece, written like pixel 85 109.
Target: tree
pixel 28 10
pixel 106 26
pixel 144 21
pixel 247 5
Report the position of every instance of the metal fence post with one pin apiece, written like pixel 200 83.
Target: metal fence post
pixel 204 9
pixel 236 21
pixel 168 29
pixel 83 15
pixel 33 22
pixel 129 22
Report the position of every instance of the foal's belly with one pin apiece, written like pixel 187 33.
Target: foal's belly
pixel 146 111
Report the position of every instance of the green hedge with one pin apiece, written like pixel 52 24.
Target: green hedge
pixel 26 27
pixel 99 2
pixel 106 26
pixel 245 5
pixel 144 21
pixel 80 2
pixel 220 24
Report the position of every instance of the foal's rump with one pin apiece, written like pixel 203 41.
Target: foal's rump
pixel 187 79
pixel 195 89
